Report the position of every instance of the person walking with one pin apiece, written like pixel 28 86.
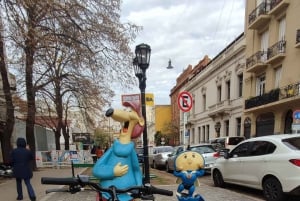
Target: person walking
pixel 21 158
pixel 99 152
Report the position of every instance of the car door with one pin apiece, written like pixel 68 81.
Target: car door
pixel 257 161
pixel 233 167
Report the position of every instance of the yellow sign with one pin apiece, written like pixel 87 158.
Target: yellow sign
pixel 149 99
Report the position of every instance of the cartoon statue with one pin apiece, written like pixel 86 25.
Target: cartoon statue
pixel 188 167
pixel 119 165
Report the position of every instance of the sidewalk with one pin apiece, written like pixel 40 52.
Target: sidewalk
pixel 8 190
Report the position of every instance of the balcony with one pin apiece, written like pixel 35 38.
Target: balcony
pixel 278 6
pixel 263 99
pixel 259 17
pixel 286 95
pixel 219 109
pixel 256 62
pixel 298 39
pixel 290 90
pixel 276 52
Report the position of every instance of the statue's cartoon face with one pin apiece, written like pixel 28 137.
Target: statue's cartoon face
pixel 189 160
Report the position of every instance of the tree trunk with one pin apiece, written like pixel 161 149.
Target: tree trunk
pixel 30 46
pixel 8 125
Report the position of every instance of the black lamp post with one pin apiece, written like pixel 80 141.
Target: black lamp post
pixel 140 64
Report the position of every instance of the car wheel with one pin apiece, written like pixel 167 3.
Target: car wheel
pixel 272 190
pixel 218 179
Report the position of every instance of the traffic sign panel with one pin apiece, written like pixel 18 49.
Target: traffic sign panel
pixel 185 101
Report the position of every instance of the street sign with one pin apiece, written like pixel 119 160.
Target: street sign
pixel 185 101
pixel 296 114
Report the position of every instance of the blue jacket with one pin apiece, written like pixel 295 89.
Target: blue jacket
pixel 21 160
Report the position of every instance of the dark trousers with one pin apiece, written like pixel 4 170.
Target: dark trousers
pixel 29 188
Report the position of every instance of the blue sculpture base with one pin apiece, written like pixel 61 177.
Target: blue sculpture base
pixel 186 197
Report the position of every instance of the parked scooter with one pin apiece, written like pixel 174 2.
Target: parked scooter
pixel 6 170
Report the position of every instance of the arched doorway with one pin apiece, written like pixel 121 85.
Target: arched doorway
pixel 265 124
pixel 247 128
pixel 288 122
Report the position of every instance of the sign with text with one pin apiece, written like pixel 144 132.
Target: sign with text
pixel 185 101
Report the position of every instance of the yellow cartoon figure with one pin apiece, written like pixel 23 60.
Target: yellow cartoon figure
pixel 188 167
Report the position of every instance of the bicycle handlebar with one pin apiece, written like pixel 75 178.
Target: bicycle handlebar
pixel 82 181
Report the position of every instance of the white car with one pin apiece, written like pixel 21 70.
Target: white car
pixel 206 150
pixel 159 156
pixel 269 163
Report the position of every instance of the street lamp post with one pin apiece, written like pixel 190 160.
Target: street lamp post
pixel 140 64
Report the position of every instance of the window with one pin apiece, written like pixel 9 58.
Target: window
pixel 228 90
pixel 260 85
pixel 264 44
pixel 281 34
pixel 204 102
pixel 207 133
pixel 261 148
pixel 219 89
pixel 240 85
pixel 241 150
pixel 238 126
pixel 199 134
pixel 277 76
pixel 227 128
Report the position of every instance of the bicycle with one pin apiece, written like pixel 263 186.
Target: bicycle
pixel 77 184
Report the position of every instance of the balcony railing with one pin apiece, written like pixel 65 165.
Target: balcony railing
pixel 274 95
pixel 261 9
pixel 290 90
pixel 276 49
pixel 263 99
pixel 258 58
pixel 274 3
pixel 278 6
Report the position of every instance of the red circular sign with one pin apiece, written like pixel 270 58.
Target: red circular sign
pixel 185 101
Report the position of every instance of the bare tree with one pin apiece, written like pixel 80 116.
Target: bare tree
pixel 91 29
pixel 8 126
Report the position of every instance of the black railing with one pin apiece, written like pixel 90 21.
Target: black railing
pixel 274 3
pixel 263 99
pixel 276 49
pixel 290 90
pixel 274 95
pixel 298 36
pixel 258 57
pixel 261 9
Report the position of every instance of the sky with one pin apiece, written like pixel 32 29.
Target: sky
pixel 183 31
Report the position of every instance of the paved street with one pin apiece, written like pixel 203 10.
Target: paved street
pixel 206 189
pixel 8 189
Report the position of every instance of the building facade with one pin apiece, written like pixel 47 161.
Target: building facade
pixel 272 75
pixel 216 91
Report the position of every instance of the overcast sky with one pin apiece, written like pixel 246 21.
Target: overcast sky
pixel 183 31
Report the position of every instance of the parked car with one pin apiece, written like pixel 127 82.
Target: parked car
pixel 209 154
pixel 206 150
pixel 268 163
pixel 140 154
pixel 159 156
pixel 171 158
pixel 228 142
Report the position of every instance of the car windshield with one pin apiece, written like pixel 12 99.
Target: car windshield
pixel 293 143
pixel 203 149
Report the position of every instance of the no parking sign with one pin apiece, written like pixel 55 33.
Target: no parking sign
pixel 185 101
